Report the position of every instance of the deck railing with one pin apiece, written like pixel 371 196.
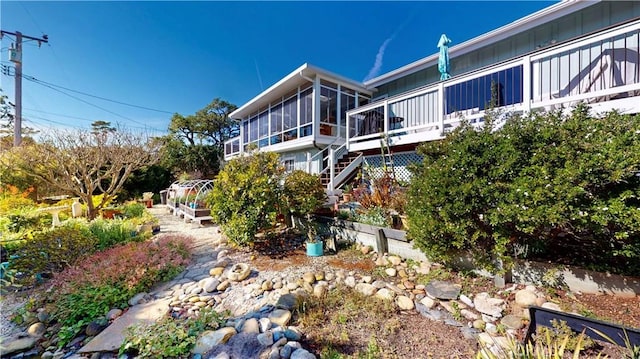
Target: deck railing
pixel 601 67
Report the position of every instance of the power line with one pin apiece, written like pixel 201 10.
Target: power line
pixel 34 80
pixel 85 119
pixel 100 97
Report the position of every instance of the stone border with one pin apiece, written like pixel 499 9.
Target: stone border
pixel 393 241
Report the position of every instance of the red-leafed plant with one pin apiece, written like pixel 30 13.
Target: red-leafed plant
pixel 107 279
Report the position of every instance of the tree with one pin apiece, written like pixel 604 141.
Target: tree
pixel 196 142
pixel 7 124
pixel 86 163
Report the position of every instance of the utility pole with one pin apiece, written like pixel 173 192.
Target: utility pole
pixel 15 54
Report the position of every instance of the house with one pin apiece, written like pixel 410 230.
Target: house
pixel 569 52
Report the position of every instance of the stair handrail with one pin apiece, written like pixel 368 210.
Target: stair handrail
pixel 315 157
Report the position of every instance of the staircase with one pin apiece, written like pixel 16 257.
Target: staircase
pixel 346 163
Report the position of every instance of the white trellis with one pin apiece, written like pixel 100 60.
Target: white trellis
pixel 186 198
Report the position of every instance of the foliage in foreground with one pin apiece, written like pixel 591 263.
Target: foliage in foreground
pixel 303 193
pixel 341 309
pixel 108 279
pixel 548 348
pixel 245 195
pixel 169 338
pixel 541 186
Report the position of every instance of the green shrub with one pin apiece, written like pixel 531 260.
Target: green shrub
pixel 375 216
pixel 53 250
pixel 303 192
pixel 546 347
pixel 169 338
pixel 246 195
pixel 110 232
pixel 541 186
pixel 133 210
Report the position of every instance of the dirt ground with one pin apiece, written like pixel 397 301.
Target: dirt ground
pixel 347 327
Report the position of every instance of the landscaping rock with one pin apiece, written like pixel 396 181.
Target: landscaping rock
pixel 466 300
pixel 552 306
pixel 391 272
pixel 114 313
pixel 251 325
pixel 302 354
pixel 394 260
pixel 223 286
pixel 525 298
pixel 216 272
pixel 266 338
pixel 18 345
pixel 42 315
pixel 366 289
pixel 210 339
pixel 292 333
pixel 512 321
pixel 350 281
pixel 309 277
pixel 280 317
pixel 469 315
pixel 36 330
pixel 424 268
pixel 238 272
pixel 138 299
pixel 94 328
pixel 385 294
pixel 405 303
pixel 487 305
pixel 287 301
pixel 209 284
pixel 443 290
pixel 265 324
pixel 320 290
pixel 428 302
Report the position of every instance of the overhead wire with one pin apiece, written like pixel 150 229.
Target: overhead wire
pixel 34 80
pixel 84 119
pixel 102 98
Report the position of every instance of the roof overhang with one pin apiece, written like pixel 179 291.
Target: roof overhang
pixel 303 75
pixel 528 22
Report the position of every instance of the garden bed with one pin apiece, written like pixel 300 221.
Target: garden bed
pixel 523 272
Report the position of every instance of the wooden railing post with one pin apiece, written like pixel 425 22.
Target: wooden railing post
pixel 526 83
pixel 332 169
pixel 441 107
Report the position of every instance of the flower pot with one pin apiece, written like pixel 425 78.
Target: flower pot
pixel 346 197
pixel 314 249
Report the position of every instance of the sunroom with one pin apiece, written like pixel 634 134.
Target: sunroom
pixel 302 114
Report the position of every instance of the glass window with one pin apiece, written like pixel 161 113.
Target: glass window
pixel 245 131
pixel 306 106
pixel 253 129
pixel 328 105
pixel 347 102
pixel 276 118
pixel 263 122
pixel 289 165
pixel 290 113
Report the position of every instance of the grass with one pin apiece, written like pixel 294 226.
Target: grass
pixel 341 311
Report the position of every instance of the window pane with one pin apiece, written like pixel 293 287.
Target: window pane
pixel 306 103
pixel 245 129
pixel 290 113
pixel 253 129
pixel 263 121
pixel 328 105
pixel 276 118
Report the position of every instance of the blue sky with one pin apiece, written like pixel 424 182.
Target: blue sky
pixel 178 56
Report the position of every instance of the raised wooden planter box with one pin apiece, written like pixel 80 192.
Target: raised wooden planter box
pixel 195 214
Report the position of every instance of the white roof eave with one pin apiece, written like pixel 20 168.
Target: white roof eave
pixel 290 82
